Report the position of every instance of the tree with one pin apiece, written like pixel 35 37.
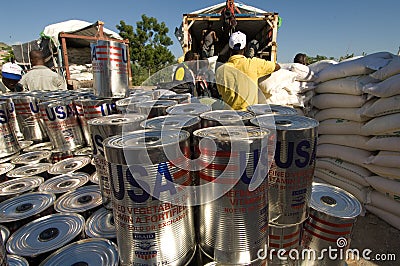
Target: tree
pixel 311 59
pixel 148 47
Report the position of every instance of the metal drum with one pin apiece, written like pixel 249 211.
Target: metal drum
pixel 102 128
pixel 283 238
pixel 28 116
pixel 189 123
pixel 225 118
pixel 291 174
pixel 147 220
pixel 94 178
pixel 58 156
pixel 64 183
pixel 101 224
pixel 69 165
pixel 8 139
pixel 4 233
pixel 18 186
pixel 129 105
pixel 39 169
pixel 12 116
pixel 188 109
pixel 43 146
pixel 271 109
pixel 91 108
pixel 22 209
pixel 155 108
pixel 37 239
pixel 95 251
pixel 62 124
pixel 32 157
pixel 4 169
pixel 233 218
pixel 84 200
pixel 25 144
pixel 110 69
pixel 180 98
pixel 333 213
pixel 14 260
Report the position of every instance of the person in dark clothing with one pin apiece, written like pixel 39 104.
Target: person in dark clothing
pixel 184 75
pixel 301 59
pixel 208 38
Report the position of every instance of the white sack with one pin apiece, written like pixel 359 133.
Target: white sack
pixel 381 106
pixel 354 141
pixel 382 125
pixel 332 100
pixel 340 127
pixel 352 114
pixel 385 143
pixel 387 88
pixel 391 69
pixel 349 154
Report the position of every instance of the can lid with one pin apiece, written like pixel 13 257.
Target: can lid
pixel 227 116
pixel 232 133
pixel 64 183
pixel 284 122
pixel 32 157
pixel 94 251
pixel 69 165
pixel 25 143
pixel 79 200
pixel 117 123
pixel 94 178
pixel 134 100
pixel 6 167
pixel 29 170
pixel 272 109
pixel 47 146
pixel 157 104
pixel 20 185
pixel 9 158
pixel 171 122
pixel 101 224
pixel 14 260
pixel 87 151
pixel 141 92
pixel 25 205
pixel 45 234
pixel 5 233
pixel 188 109
pixel 334 201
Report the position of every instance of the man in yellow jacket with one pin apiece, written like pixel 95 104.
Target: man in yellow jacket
pixel 237 80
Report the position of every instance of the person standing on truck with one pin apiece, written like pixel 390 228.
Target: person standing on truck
pixel 301 59
pixel 237 80
pixel 184 74
pixel 40 77
pixel 208 38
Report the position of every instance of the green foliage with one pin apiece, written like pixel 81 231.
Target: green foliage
pixel 148 47
pixel 317 58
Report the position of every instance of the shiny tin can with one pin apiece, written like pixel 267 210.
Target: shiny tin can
pixel 62 125
pixel 291 174
pixel 57 156
pixel 43 146
pixel 94 251
pixel 8 141
pixel 69 165
pixel 84 200
pixel 284 238
pixel 225 118
pixel 271 109
pixel 181 98
pixel 101 224
pixel 231 209
pixel 39 169
pixel 188 109
pixel 4 169
pixel 18 186
pixel 32 157
pixel 64 183
pixel 25 144
pixel 157 223
pixel 102 128
pixel 3 254
pixel 189 123
pixel 12 116
pixel 8 158
pixel 155 108
pixel 94 178
pixel 129 105
pixel 4 232
pixel 37 239
pixel 87 151
pixel 14 260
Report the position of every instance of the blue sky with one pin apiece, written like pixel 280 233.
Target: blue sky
pixel 329 28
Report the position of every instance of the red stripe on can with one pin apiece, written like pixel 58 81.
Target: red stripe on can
pixel 331 224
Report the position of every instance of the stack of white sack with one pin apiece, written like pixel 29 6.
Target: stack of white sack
pixel 81 72
pixel 383 110
pixel 292 85
pixel 342 144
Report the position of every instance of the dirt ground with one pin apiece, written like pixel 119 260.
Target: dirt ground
pixel 372 233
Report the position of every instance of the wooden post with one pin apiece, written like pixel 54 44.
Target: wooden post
pixel 274 38
pixel 65 58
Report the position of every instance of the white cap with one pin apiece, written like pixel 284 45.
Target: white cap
pixel 237 38
pixel 11 71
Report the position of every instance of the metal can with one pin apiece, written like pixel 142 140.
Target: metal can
pixel 79 163
pixel 28 116
pixel 39 169
pixel 144 236
pixel 25 144
pixel 8 141
pixel 4 169
pixel 155 108
pixel 12 116
pixel 4 233
pixel 94 251
pixel 271 109
pixel 291 174
pixel 333 213
pixel 87 151
pixel 37 239
pixel 43 146
pixel 129 105
pixel 32 157
pixel 188 109
pixel 20 210
pixel 283 238
pixel 231 209
pixel 144 92
pixel 225 118
pixel 14 260
pixel 110 69
pixel 94 178
pixel 58 156
pixel 62 124
pixel 102 128
pixel 101 224
pixel 18 186
pixel 64 183
pixel 189 123
pixel 180 98
pixel 84 200
pixel 8 158
pixel 3 254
